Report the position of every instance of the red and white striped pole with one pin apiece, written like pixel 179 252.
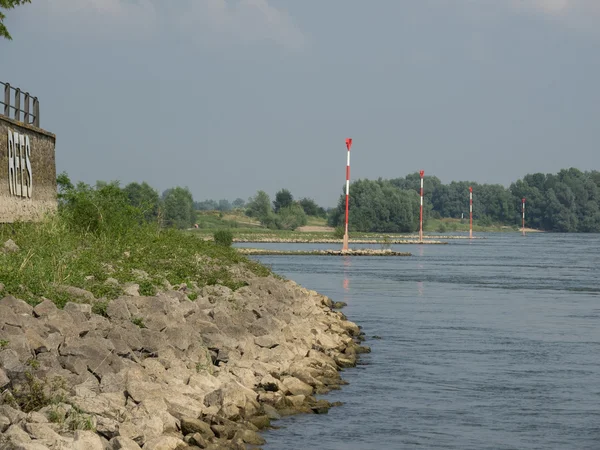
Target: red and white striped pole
pixel 348 145
pixel 523 211
pixel 470 212
pixel 422 173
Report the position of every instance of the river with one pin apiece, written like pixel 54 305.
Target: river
pixel 485 344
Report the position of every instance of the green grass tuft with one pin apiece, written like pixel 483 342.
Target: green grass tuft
pixel 52 255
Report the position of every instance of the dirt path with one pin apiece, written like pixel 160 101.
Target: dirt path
pixel 315 229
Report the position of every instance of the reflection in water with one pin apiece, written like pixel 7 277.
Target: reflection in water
pixel 347 267
pixel 420 267
pixel 420 288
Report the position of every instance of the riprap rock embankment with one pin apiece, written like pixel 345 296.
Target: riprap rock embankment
pixel 164 372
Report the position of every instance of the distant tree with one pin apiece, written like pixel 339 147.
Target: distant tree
pixel 378 206
pixel 311 208
pixel 239 203
pixel 144 197
pixel 179 208
pixel 8 4
pixel 259 206
pixel 206 205
pixel 224 205
pixel 283 199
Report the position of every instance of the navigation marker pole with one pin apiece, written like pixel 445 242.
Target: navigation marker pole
pixel 422 172
pixel 523 210
pixel 348 145
pixel 470 212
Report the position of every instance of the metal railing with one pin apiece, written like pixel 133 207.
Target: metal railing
pixel 14 107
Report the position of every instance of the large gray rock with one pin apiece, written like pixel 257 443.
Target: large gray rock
pixel 296 387
pixel 251 437
pixel 118 309
pixel 44 432
pixel 45 308
pixel 87 440
pixel 123 443
pixel 16 434
pixel 16 305
pixel 4 380
pixel 10 247
pixel 192 426
pixel 164 443
pixel 4 423
pixel 29 446
pixel 81 309
pixel 267 341
pixel 76 293
pixel 15 416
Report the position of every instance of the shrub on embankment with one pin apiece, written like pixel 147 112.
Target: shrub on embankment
pixel 98 242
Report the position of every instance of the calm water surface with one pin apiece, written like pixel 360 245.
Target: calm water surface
pixel 489 344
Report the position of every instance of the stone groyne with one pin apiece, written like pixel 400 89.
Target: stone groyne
pixel 350 252
pixel 274 240
pixel 163 372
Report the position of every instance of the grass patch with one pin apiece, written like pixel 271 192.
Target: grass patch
pixel 53 254
pixel 138 321
pixel 100 308
pixel 34 394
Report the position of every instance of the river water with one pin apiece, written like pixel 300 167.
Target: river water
pixel 485 344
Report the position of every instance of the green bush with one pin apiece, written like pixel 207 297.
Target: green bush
pixel 103 209
pixel 291 217
pixel 339 232
pixel 223 237
pixel 95 236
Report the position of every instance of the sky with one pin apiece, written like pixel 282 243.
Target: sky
pixel 228 97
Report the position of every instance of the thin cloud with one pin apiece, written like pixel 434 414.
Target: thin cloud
pixel 99 18
pixel 583 14
pixel 243 21
pixel 231 21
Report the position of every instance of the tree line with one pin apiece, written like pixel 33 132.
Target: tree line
pixel 568 201
pixel 284 213
pixel 176 207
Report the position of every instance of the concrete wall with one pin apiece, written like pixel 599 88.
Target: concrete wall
pixel 27 173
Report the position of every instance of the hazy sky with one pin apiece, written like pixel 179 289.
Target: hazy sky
pixel 231 96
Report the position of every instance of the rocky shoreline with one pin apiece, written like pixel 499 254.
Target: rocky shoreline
pixel 165 373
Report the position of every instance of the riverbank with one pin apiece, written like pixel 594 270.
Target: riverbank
pixel 160 341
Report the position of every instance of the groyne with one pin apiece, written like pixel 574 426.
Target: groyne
pixel 299 240
pixel 350 252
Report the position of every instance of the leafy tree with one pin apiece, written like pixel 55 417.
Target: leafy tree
pixel 283 199
pixel 8 4
pixel 378 206
pixel 311 208
pixel 179 207
pixel 144 197
pixel 259 206
pixel 104 209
